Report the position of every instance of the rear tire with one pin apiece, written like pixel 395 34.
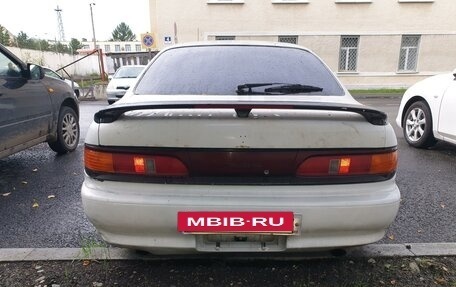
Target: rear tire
pixel 67 131
pixel 417 126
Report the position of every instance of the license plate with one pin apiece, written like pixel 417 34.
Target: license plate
pixel 236 222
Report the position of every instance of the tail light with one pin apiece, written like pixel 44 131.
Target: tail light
pixel 136 164
pixel 348 165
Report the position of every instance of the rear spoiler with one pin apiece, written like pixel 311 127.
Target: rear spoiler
pixel 242 108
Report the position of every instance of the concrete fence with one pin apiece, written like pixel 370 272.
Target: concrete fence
pixel 55 61
pixel 85 67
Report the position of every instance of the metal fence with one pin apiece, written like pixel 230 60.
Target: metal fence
pixel 288 39
pixel 116 60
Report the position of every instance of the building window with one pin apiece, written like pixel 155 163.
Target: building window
pixel 117 48
pixel 225 2
pixel 225 38
pixel 408 57
pixel 288 39
pixel 290 1
pixel 107 48
pixel 138 47
pixel 348 57
pixel 415 1
pixel 128 47
pixel 354 1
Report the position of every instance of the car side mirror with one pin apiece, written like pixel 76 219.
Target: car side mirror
pixel 109 77
pixel 35 72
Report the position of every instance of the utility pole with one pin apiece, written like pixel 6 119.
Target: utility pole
pixel 100 56
pixel 93 26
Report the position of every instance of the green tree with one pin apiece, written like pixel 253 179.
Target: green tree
pixel 75 45
pixel 123 33
pixel 24 42
pixel 4 36
pixel 60 48
pixel 44 44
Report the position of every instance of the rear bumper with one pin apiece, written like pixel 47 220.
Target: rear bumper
pixel 144 216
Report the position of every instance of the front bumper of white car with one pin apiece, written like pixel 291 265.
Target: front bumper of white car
pixel 115 95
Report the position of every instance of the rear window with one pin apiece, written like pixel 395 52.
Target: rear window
pixel 218 70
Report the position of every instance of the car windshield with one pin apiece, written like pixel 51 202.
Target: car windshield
pixel 221 70
pixel 128 72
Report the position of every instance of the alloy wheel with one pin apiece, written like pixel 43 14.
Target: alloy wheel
pixel 415 124
pixel 69 130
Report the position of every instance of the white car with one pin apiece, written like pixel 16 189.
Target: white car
pixel 53 74
pixel 427 112
pixel 122 80
pixel 241 146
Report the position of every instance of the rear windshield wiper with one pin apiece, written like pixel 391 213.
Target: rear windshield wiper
pixel 281 88
pixel 293 89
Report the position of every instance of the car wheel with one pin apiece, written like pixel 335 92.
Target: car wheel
pixel 417 125
pixel 67 131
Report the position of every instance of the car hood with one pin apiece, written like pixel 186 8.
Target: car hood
pixel 435 85
pixel 121 82
pixel 69 82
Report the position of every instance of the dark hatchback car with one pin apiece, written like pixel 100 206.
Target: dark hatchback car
pixel 35 108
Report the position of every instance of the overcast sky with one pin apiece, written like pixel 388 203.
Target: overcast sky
pixel 38 19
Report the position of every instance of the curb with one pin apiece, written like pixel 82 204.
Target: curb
pixel 113 253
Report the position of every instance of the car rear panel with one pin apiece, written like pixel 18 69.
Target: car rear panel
pixel 227 158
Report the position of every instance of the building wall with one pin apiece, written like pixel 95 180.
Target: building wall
pixel 319 25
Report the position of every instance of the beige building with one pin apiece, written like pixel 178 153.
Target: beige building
pixel 113 46
pixel 368 43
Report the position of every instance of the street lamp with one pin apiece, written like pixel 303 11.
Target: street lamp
pixel 93 26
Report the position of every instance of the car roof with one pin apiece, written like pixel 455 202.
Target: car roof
pixel 238 43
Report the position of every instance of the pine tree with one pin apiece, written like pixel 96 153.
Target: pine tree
pixel 123 33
